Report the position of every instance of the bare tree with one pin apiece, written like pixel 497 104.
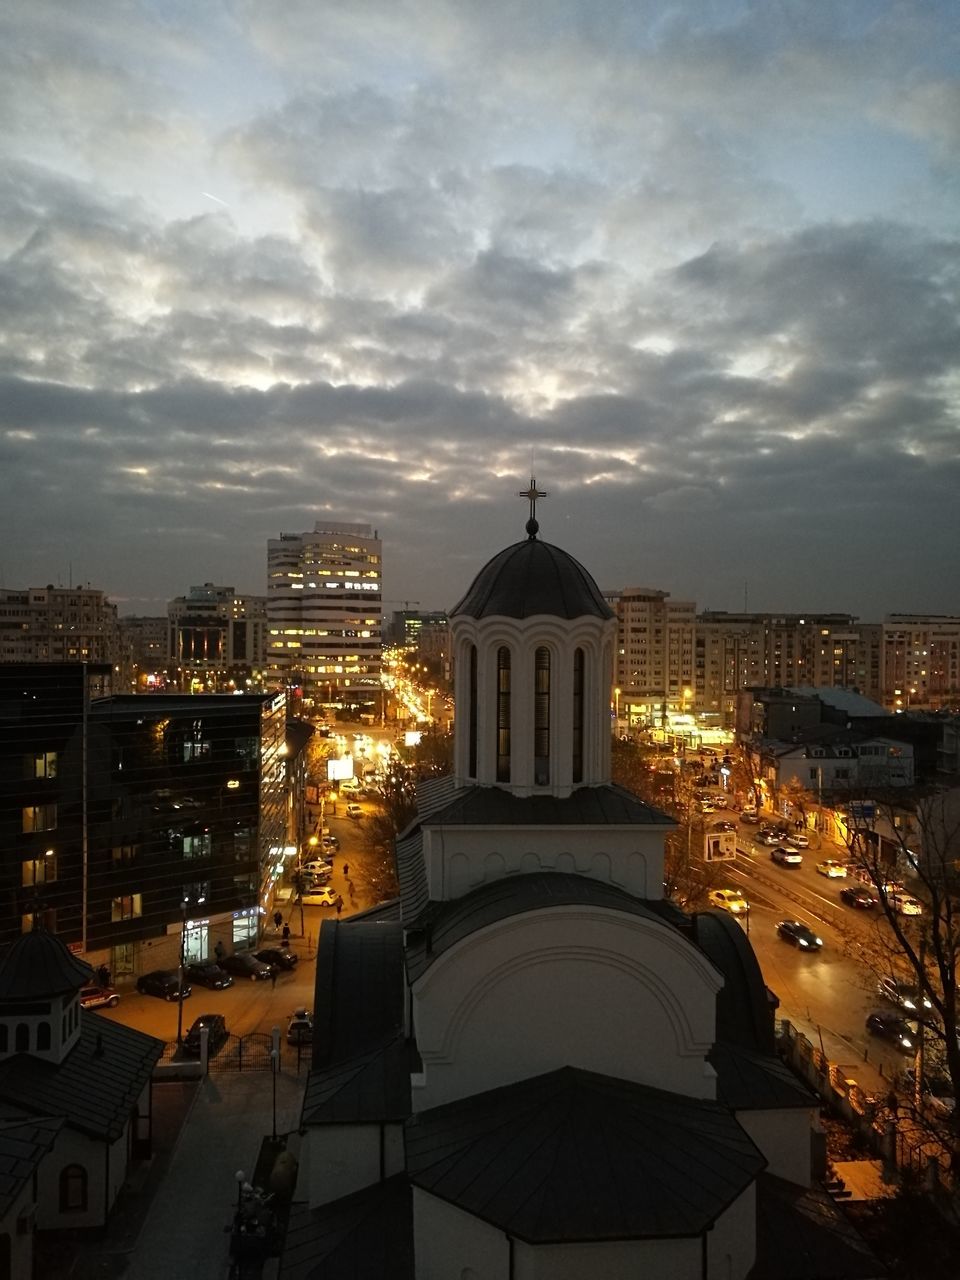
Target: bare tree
pixel 907 846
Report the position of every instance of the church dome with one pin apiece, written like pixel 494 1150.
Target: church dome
pixel 39 965
pixel 531 578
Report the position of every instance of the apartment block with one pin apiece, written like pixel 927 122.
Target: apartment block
pixel 58 624
pixel 217 639
pixel 920 661
pixel 654 669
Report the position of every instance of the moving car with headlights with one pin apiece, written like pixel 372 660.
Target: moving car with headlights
pixel 903 994
pixel 354 810
pixel 209 975
pixel 832 869
pixel 750 816
pixel 799 935
pixel 905 904
pixel 725 825
pixel 731 900
pixel 898 1031
pixel 163 983
pixel 94 997
pixel 243 964
pixel 785 857
pixel 216 1028
pixel 857 895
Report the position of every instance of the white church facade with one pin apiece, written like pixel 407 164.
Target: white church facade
pixel 534 1066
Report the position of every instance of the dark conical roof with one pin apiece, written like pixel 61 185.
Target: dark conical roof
pixel 39 966
pixel 533 577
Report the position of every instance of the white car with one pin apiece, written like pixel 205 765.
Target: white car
pixel 320 897
pixel 731 900
pixel 799 840
pixel 354 810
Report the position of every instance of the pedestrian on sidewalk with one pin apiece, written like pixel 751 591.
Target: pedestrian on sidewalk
pixel 103 976
pixel 339 903
pixel 218 951
pixel 285 936
pixel 273 978
pixel 346 869
pixel 277 919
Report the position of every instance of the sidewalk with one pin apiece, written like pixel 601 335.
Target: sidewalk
pixel 174 1224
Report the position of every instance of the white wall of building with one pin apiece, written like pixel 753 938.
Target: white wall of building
pixel 732 1244
pixel 452 1245
pixel 339 1159
pixel 784 1138
pixel 610 1260
pixel 572 986
pixel 459 859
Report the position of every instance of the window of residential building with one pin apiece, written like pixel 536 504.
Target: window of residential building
pixel 127 907
pixel 197 846
pixel 41 764
pixel 73 1189
pixel 39 870
pixel 124 853
pixel 39 817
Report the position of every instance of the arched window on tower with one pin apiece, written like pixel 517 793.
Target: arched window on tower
pixel 21 1043
pixel 578 715
pixel 472 732
pixel 73 1189
pixel 541 717
pixel 503 714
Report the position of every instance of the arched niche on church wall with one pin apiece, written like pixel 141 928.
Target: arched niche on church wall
pixel 607 991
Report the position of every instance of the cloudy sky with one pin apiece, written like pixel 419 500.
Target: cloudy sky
pixel 694 263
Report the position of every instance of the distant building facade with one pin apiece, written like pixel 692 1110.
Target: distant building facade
pixel 58 624
pixel 921 661
pixel 654 655
pixel 144 654
pixel 324 612
pixel 217 639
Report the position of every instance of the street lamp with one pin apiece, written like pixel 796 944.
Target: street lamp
pixel 240 1178
pixel 616 713
pixel 274 1064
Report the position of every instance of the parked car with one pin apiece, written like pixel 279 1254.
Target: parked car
pixel 905 904
pixel 903 994
pixel 94 997
pixel 725 825
pixel 750 815
pixel 832 869
pixel 798 840
pixel 300 1028
pixel 317 866
pixel 244 964
pixel 785 857
pixel 354 810
pixel 769 837
pixel 314 878
pixel 330 842
pixel 279 959
pixel 209 975
pixel 216 1026
pixel 731 900
pixel 897 1030
pixel 320 897
pixel 799 934
pixel 857 895
pixel 164 983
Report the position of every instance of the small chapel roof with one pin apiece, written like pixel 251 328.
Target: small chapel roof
pixel 656 1164
pixel 40 966
pixel 363 1236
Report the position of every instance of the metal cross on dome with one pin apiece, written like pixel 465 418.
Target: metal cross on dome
pixel 532 494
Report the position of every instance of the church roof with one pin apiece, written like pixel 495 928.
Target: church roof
pixel 363 1236
pixel 39 966
pixel 24 1141
pixel 94 1087
pixel 657 1164
pixel 744 1015
pixel 752 1081
pixel 608 806
pixel 447 923
pixel 531 578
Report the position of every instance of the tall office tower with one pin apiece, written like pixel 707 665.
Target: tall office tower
pixel 655 646
pixel 58 624
pixel 324 612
